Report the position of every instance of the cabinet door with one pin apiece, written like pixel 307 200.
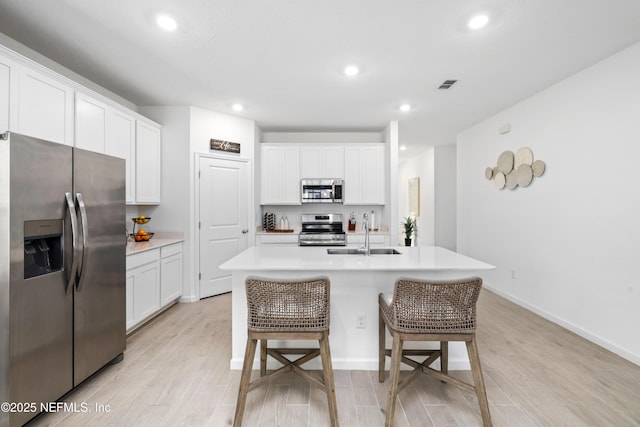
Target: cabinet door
pixel 280 172
pixel 146 290
pixel 121 142
pixel 6 69
pixel 131 278
pixel 147 163
pixel 45 107
pixel 277 239
pixel 374 239
pixel 372 173
pixel 170 278
pixel 364 175
pixel 322 162
pixel 352 176
pixel 91 123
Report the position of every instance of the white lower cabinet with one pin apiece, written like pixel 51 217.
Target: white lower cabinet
pixel 154 279
pixel 277 239
pixel 374 239
pixel 143 286
pixel 170 273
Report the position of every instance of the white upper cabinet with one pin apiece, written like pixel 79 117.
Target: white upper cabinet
pixel 6 69
pixel 322 161
pixel 44 107
pixel 364 175
pixel 38 102
pixel 91 123
pixel 104 128
pixel 280 173
pixel 121 142
pixel 148 164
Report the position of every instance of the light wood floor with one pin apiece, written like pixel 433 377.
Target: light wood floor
pixel 175 373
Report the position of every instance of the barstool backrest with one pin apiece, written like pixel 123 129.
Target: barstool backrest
pixel 287 305
pixel 430 306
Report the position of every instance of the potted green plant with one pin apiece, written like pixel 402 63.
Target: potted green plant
pixel 409 225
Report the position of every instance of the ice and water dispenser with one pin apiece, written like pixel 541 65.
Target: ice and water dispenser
pixel 42 247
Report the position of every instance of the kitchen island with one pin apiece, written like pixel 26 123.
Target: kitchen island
pixel 356 281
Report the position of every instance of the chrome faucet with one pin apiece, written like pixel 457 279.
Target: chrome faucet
pixel 365 225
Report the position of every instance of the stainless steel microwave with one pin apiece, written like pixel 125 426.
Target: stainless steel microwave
pixel 325 190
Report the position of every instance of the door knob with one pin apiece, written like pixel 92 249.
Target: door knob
pixel 245 231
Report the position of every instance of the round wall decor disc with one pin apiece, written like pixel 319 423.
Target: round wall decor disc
pixel 488 173
pixel 524 156
pixel 499 180
pixel 505 162
pixel 512 180
pixel 538 168
pixel 525 175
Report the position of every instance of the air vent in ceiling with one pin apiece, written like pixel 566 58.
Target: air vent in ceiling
pixel 447 84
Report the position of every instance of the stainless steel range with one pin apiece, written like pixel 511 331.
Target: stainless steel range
pixel 322 230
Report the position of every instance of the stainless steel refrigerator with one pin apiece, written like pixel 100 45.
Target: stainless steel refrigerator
pixel 62 269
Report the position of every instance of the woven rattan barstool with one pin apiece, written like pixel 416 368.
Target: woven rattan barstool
pixel 287 310
pixel 423 310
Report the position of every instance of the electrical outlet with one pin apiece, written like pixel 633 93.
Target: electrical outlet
pixel 361 321
pixel 513 274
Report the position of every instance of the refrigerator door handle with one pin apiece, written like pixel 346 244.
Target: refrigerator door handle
pixel 74 242
pixel 85 240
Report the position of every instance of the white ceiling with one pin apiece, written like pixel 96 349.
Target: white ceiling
pixel 283 59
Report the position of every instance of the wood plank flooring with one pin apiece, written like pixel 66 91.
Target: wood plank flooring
pixel 176 373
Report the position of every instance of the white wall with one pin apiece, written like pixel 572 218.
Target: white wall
pixel 571 239
pixel 445 196
pixel 41 60
pixel 418 166
pixel 185 132
pixel 436 168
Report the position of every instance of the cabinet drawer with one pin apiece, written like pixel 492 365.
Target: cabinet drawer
pixel 167 251
pixel 270 239
pixel 136 260
pixel 374 239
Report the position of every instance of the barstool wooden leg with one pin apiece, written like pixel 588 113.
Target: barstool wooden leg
pixel 245 379
pixel 329 385
pixel 396 357
pixel 444 357
pixel 478 380
pixel 263 358
pixel 381 346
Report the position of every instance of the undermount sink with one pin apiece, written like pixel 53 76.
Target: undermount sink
pixel 373 251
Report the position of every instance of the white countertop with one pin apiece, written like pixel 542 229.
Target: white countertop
pixel 426 258
pixel 154 243
pixel 297 229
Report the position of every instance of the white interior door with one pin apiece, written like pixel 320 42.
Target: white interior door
pixel 224 217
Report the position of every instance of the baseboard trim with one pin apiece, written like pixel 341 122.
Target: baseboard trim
pixel 633 358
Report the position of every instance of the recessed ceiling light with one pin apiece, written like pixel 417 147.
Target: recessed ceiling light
pixel 478 22
pixel 237 107
pixel 351 70
pixel 405 107
pixel 403 148
pixel 166 22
